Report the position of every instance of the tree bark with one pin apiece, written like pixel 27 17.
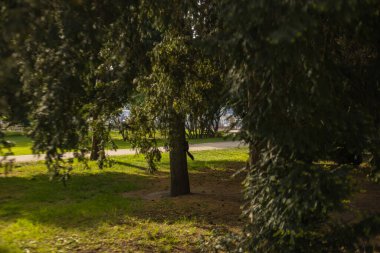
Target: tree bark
pixel 94 148
pixel 253 155
pixel 178 161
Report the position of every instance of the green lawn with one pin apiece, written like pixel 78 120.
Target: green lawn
pixel 23 144
pixel 93 214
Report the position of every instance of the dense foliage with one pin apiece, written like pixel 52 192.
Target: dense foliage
pixel 306 86
pixel 67 66
pixel 303 78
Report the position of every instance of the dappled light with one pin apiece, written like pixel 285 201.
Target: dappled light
pixel 189 126
pixel 95 205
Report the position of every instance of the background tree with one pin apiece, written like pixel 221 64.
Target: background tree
pixel 181 75
pixel 204 118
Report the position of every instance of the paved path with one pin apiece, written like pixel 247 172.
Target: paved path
pixel 193 147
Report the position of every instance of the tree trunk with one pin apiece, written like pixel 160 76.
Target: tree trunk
pixel 253 155
pixel 178 161
pixel 94 147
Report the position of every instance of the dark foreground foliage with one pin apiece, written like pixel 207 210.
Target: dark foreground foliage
pixel 305 79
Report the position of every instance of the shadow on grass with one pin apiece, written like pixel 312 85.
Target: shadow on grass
pixel 88 199
pixel 122 163
pixel 199 165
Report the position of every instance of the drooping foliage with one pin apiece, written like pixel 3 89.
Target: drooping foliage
pixel 305 84
pixel 66 55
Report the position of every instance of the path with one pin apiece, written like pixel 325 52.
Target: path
pixel 193 147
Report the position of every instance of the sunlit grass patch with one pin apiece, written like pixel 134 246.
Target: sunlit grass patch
pixel 23 144
pixel 92 214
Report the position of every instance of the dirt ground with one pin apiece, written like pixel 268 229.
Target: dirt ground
pixel 217 197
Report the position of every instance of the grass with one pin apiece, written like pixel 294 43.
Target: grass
pixel 93 214
pixel 23 144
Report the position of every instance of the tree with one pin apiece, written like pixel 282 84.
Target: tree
pixel 13 99
pixel 304 84
pixel 203 120
pixel 166 97
pixel 67 66
pixel 78 59
pixel 181 75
